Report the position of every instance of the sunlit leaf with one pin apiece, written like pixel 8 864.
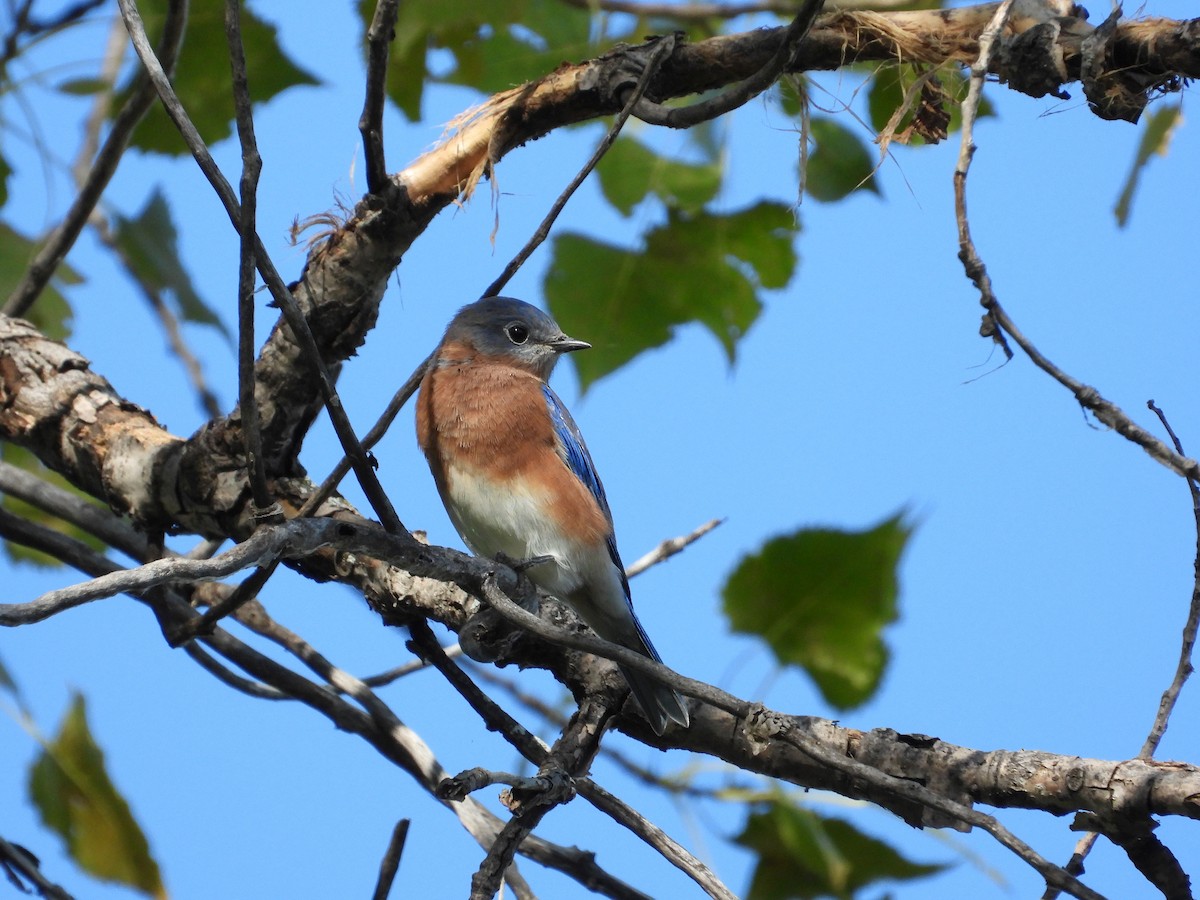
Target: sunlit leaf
pixel 631 171
pixel 704 268
pixel 820 598
pixel 1156 137
pixel 24 459
pixel 802 855
pixel 203 79
pixel 50 314
pixel 75 797
pixel 149 244
pixel 840 163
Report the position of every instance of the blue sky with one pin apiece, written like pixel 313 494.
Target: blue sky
pixel 1042 594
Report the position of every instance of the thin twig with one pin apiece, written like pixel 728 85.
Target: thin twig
pixel 380 35
pixel 20 16
pixel 494 716
pixel 669 548
pixel 1183 667
pixel 247 686
pixel 624 814
pixel 391 861
pixel 246 591
pixel 70 550
pixel 476 779
pixel 52 253
pixel 114 56
pixel 258 621
pixel 265 508
pixel 570 756
pixel 295 538
pixel 395 674
pixel 972 264
pixel 1091 399
pixel 61 19
pixel 741 93
pixel 664 48
pixel 531 747
pixel 998 327
pixel 71 507
pixel 648 777
pixel 744 709
pixel 370 439
pixel 275 284
pixel 97 117
pixel 170 325
pixel 19 864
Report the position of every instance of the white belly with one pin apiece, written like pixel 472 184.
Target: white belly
pixel 515 520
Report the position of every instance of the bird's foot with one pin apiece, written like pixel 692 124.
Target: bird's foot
pixel 523 565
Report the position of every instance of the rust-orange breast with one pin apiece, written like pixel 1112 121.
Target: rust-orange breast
pixel 490 419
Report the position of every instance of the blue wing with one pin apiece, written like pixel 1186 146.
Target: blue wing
pixel 575 454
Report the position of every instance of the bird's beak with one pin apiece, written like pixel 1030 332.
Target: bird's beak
pixel 564 344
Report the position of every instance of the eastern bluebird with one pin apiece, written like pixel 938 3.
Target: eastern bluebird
pixel 516 477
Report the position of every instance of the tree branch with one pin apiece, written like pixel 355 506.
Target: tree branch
pixel 402 580
pixel 380 35
pixel 266 510
pixel 296 320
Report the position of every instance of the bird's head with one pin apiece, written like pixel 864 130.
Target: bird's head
pixel 514 331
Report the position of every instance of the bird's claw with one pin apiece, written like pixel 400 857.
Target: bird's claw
pixel 522 565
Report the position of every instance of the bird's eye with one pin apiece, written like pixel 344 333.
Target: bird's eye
pixel 517 333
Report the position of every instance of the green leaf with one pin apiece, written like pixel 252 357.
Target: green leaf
pixel 820 597
pixel 24 459
pixel 75 797
pixel 703 268
pixel 422 24
pixel 840 164
pixel 203 79
pixel 51 314
pixel 1156 137
pixel 522 41
pixel 82 87
pixel 492 46
pixel 803 855
pixel 148 245
pixel 5 172
pixel 886 93
pixel 631 171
